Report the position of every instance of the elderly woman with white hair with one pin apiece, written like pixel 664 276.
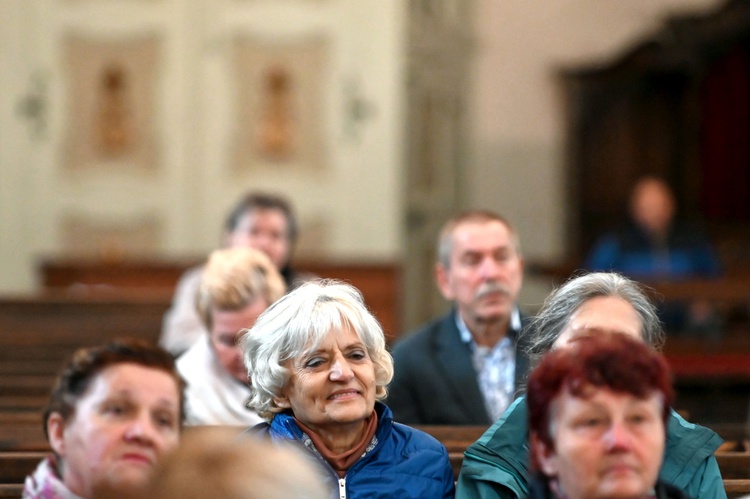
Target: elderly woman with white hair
pixel 318 364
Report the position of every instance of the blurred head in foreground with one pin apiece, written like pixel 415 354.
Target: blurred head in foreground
pixel 215 462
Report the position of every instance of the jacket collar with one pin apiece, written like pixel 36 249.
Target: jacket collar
pixel 283 424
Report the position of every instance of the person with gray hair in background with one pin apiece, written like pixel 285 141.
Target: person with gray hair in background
pixel 464 368
pixel 496 465
pixel 318 366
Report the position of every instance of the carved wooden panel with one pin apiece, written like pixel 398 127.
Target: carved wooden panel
pixel 111 98
pixel 280 86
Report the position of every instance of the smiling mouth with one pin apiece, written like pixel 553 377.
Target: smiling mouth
pixel 346 394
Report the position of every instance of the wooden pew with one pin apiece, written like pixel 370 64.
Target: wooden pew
pixel 38 366
pixel 379 282
pixel 52 320
pixel 11 490
pixel 737 433
pixel 25 384
pixel 734 465
pixel 38 334
pixel 737 488
pixel 14 466
pixel 22 431
pixel 455 438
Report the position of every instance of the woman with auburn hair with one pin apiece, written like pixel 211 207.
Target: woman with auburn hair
pixel 597 421
pixel 600 303
pixel 115 411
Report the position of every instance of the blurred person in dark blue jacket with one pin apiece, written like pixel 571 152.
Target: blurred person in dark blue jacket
pixel 657 246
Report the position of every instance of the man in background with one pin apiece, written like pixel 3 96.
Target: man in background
pixel 260 221
pixel 464 368
pixel 654 244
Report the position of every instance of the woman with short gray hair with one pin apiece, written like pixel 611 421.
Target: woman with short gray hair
pixel 318 366
pixel 562 303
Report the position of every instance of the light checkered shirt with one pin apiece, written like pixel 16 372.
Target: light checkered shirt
pixel 495 367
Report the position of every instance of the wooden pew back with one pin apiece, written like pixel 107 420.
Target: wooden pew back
pixel 16 464
pixel 39 334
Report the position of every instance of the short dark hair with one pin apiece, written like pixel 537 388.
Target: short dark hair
pixel 615 361
pixel 263 201
pixel 86 363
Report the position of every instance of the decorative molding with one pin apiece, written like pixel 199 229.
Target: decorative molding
pixel 111 98
pixel 280 102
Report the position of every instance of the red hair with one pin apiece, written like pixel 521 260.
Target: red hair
pixel 605 360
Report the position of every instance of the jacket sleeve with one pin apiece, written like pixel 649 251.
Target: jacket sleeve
pixel 449 483
pixel 181 325
pixel 707 482
pixel 480 480
pixel 495 465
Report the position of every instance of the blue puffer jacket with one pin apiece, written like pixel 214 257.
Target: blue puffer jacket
pixel 400 463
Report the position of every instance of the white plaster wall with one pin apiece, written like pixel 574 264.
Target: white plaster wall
pixel 515 154
pixel 18 157
pixel 357 196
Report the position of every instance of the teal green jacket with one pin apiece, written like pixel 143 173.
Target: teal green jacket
pixel 496 464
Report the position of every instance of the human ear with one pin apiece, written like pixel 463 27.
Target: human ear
pixel 282 401
pixel 55 433
pixel 546 458
pixel 443 281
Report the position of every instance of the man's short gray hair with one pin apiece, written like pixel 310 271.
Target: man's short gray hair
pixel 562 303
pixel 298 323
pixel 445 239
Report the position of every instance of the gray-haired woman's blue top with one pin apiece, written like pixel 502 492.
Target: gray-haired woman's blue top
pixel 400 462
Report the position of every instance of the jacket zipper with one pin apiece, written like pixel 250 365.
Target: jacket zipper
pixel 342 488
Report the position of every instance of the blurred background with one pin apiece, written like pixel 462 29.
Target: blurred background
pixel 128 128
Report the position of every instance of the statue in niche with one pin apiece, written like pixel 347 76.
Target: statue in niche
pixel 115 127
pixel 276 127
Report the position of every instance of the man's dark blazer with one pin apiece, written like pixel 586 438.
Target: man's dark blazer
pixel 434 380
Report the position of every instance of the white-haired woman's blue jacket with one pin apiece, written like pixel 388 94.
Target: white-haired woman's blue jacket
pixel 401 462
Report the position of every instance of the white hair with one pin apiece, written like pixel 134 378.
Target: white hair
pixel 298 323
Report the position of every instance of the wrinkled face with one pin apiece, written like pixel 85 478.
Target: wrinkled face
pixel 225 335
pixel 607 446
pixel 485 273
pixel 128 418
pixel 265 230
pixel 332 388
pixel 602 314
